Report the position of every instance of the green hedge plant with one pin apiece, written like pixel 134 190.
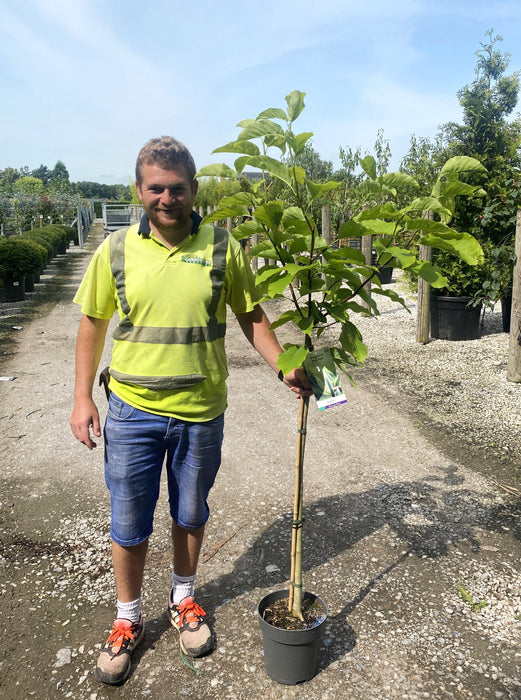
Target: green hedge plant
pixel 20 257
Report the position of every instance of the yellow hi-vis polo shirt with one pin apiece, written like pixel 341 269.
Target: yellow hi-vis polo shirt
pixel 169 355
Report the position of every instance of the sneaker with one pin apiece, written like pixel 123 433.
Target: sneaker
pixel 114 662
pixel 195 636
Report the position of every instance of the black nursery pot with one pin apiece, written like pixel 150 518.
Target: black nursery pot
pixel 290 656
pixel 453 319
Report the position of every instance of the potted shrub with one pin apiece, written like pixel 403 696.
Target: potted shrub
pixel 456 308
pixel 42 240
pixel 18 258
pixel 325 286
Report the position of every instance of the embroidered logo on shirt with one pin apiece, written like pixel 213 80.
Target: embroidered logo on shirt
pixel 196 260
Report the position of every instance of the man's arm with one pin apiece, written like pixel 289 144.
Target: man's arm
pixel 256 327
pixel 89 348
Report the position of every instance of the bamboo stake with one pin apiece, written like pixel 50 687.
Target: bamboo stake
pixel 295 589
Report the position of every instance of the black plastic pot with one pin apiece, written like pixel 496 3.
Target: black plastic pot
pixel 506 311
pixel 12 290
pixel 385 275
pixel 290 656
pixel 453 319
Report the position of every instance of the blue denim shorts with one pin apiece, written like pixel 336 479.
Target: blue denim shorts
pixel 136 443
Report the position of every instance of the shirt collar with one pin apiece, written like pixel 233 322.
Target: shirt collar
pixel 144 225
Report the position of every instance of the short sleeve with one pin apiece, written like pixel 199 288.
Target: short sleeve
pixel 96 294
pixel 242 294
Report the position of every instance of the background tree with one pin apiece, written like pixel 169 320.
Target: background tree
pixel 486 133
pixel 29 185
pixel 60 178
pixel 42 173
pixel 8 177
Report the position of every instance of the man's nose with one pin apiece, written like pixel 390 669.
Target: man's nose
pixel 167 196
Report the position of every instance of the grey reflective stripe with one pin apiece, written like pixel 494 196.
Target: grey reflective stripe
pixel 170 335
pixel 158 383
pixel 117 266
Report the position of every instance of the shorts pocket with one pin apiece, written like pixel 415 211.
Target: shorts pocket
pixel 118 409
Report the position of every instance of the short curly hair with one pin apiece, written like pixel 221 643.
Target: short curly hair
pixel 166 152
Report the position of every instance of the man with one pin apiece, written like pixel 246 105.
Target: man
pixel 169 279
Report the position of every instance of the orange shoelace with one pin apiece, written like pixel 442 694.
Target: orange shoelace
pixel 122 633
pixel 190 612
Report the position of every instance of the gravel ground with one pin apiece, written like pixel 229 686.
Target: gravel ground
pixel 412 530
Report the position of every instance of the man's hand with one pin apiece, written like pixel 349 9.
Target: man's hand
pixel 84 416
pixel 297 380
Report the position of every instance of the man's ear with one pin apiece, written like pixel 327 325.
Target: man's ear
pixel 195 187
pixel 138 190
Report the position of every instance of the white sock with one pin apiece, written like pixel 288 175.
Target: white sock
pixel 130 611
pixel 182 586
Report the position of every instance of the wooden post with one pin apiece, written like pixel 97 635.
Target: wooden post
pixel 229 223
pixel 423 313
pixel 326 223
pixel 514 351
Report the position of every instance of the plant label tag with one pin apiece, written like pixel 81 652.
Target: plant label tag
pixel 324 379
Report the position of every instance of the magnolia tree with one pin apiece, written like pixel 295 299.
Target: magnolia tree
pixel 327 285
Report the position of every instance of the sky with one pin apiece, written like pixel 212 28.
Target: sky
pixel 88 82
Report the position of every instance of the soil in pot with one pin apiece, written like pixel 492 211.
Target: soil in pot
pixel 291 655
pixel 278 615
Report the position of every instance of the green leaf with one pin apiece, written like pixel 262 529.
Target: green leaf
pixel 453 188
pixel 459 243
pixel 345 254
pixel 273 113
pixel 368 165
pixel 294 220
pixel 277 169
pixel 247 229
pixel 462 164
pixel 291 316
pixel 375 187
pixel 391 294
pixel 264 249
pixel 270 214
pixel 317 189
pixel 217 170
pixel 295 102
pixel 305 325
pixel 428 204
pixel 239 146
pixel 352 229
pixel 241 163
pixel 235 205
pixel 430 273
pixel 427 226
pixel 404 258
pixel 259 129
pixel 299 244
pixel 351 341
pixel 380 211
pixel 398 180
pixel 379 227
pixel 298 143
pixel 276 141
